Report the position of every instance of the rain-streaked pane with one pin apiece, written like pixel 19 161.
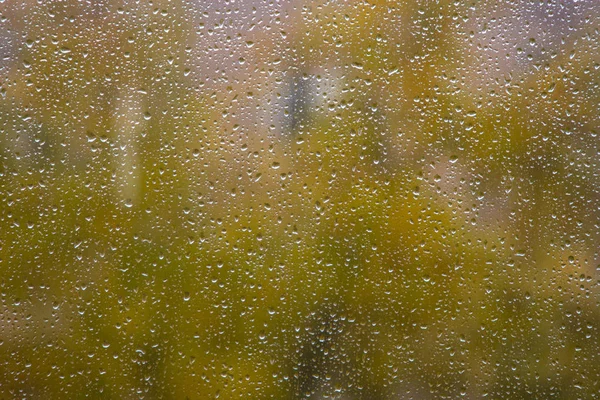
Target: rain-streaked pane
pixel 299 199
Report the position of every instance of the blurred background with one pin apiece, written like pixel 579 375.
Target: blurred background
pixel 299 199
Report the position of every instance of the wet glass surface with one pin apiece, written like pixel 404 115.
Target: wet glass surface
pixel 299 200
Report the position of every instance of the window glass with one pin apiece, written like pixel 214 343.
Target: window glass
pixel 299 199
